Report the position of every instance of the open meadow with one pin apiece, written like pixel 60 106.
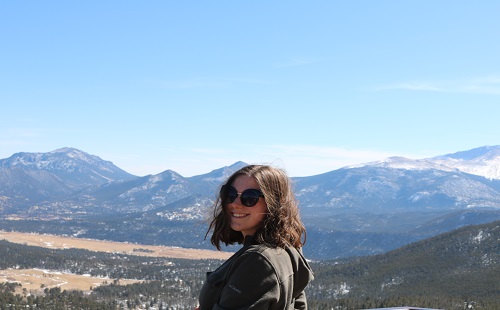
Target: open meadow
pixel 36 280
pixel 59 242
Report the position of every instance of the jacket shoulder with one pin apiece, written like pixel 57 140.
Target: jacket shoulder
pixel 276 257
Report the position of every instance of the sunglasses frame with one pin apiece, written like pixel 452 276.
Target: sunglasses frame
pixel 225 189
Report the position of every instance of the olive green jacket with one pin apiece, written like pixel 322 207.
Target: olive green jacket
pixel 258 277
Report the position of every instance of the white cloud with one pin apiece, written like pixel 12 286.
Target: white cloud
pixel 479 85
pixel 297 160
pixel 306 160
pixel 414 86
pixel 296 62
pixel 205 82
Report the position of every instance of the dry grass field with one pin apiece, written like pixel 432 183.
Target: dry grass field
pixel 35 280
pixel 58 242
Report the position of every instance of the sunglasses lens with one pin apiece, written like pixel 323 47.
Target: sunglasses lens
pixel 231 193
pixel 250 197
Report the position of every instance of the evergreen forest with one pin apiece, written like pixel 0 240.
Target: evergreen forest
pixel 456 270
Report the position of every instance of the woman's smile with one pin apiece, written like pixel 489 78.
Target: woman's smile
pixel 239 215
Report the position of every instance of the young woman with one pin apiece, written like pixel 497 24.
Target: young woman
pixel 256 207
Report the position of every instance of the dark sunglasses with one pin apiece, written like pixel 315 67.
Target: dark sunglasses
pixel 249 197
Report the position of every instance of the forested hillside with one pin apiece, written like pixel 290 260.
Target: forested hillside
pixel 168 281
pixel 445 271
pixel 448 271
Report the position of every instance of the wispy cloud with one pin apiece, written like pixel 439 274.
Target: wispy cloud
pixel 304 160
pixel 297 160
pixel 296 62
pixel 205 82
pixel 481 85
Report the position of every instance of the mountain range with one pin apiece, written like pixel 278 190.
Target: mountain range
pixel 357 210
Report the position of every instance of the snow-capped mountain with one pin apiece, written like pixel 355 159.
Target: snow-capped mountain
pixel 482 161
pixel 138 194
pixel 373 188
pixel 75 168
pixel 154 191
pixel 443 182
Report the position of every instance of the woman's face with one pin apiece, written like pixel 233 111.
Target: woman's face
pixel 247 220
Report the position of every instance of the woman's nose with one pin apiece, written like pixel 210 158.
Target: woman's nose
pixel 237 201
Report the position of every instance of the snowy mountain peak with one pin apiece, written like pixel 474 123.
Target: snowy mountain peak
pixel 66 150
pixel 72 165
pixel 482 161
pixel 397 162
pixel 169 175
pixel 77 155
pixel 221 174
pixel 477 154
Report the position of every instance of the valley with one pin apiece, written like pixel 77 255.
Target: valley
pixel 379 234
pixel 445 271
pixel 60 242
pixel 35 280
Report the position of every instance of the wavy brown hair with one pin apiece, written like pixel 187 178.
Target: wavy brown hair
pixel 282 226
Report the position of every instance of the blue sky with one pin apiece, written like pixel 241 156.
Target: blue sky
pixel 193 86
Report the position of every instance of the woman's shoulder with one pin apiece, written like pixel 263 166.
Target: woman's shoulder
pixel 277 258
pixel 265 249
pixel 270 253
pixel 253 246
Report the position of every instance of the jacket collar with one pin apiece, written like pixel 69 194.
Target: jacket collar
pixel 249 240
